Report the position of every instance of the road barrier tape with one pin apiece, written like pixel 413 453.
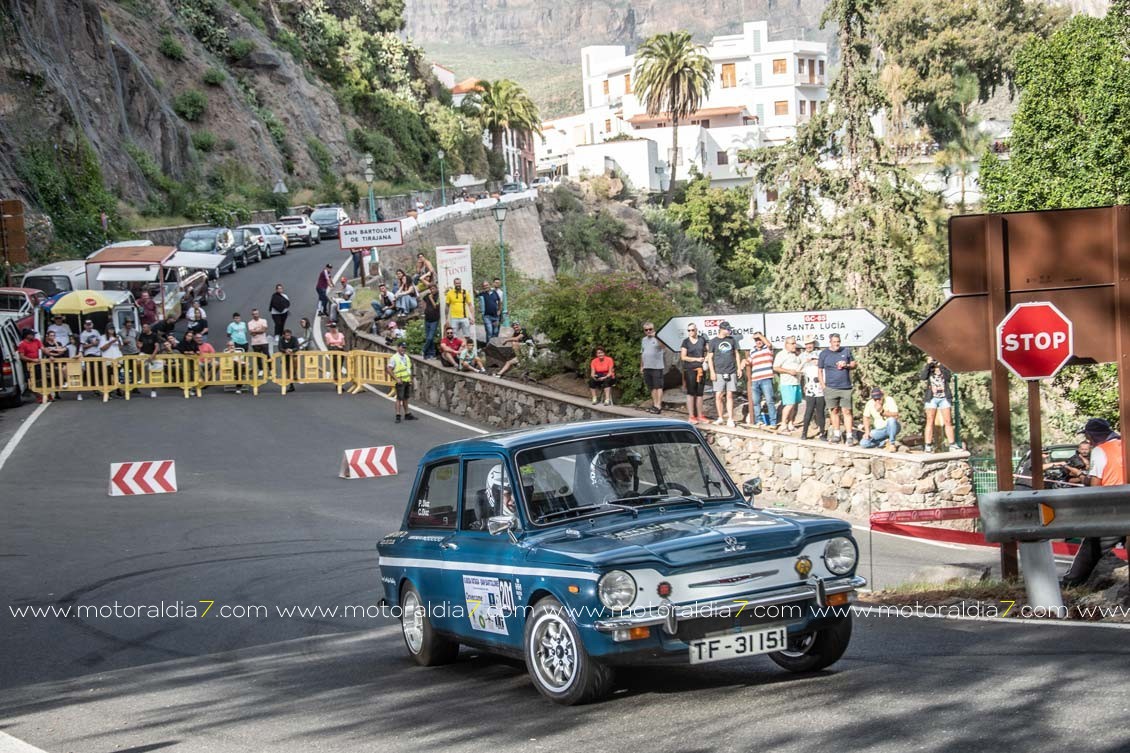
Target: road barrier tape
pixel 192 373
pixel 967 538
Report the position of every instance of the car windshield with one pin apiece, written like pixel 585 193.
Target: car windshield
pixel 324 215
pixel 291 220
pixel 197 243
pixel 12 301
pixel 618 473
pixel 49 285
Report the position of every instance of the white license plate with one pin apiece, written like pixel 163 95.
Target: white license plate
pixel 735 645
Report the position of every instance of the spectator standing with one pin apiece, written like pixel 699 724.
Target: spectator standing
pixel 334 340
pixel 383 305
pixel 460 311
pixel 836 363
pixel 431 320
pixel 358 256
pixel 880 421
pixel 469 358
pixel 61 329
pixel 279 309
pixel 692 356
pixel 148 308
pixel 74 347
pixel 939 402
pixel 602 376
pixel 91 340
pixel 1106 469
pixel 788 364
pixel 760 385
pixel 147 341
pixel 652 366
pixel 400 369
pixel 490 304
pixel 405 296
pixel 129 337
pixel 54 349
pixel 813 390
pixel 189 346
pixel 503 304
pixel 288 345
pixel 237 332
pixel 449 347
pixel 324 283
pixel 722 355
pixel 30 350
pixel 257 329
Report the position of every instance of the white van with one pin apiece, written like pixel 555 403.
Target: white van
pixel 57 277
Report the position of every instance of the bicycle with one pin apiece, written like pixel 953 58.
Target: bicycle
pixel 216 291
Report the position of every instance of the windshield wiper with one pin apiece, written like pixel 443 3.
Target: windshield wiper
pixel 682 498
pixel 609 507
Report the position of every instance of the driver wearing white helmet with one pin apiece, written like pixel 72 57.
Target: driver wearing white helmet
pixel 499 496
pixel 616 470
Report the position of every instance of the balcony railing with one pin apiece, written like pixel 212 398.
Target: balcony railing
pixel 809 79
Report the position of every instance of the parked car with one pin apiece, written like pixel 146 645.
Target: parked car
pixel 298 227
pixel 268 239
pixel 247 248
pixel 19 304
pixel 12 378
pixel 329 219
pixel 57 277
pixel 1055 477
pixel 516 187
pixel 586 546
pixel 213 240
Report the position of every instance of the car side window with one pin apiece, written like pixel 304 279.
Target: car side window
pixel 486 493
pixel 437 498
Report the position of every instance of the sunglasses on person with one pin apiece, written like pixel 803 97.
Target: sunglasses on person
pixel 649 329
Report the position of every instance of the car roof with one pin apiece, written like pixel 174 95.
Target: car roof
pixel 205 231
pixel 65 266
pixel 550 434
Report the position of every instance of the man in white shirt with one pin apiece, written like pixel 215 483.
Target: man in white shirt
pixel 61 329
pixel 90 340
pixel 788 365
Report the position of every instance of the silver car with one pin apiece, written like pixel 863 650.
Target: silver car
pixel 268 238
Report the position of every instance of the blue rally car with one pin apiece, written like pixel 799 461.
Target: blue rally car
pixel 580 547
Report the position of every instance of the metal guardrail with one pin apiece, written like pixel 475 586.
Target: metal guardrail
pixel 1036 517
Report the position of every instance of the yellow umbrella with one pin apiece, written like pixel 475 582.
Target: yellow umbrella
pixel 79 302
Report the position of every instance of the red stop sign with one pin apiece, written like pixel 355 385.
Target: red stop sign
pixel 1035 340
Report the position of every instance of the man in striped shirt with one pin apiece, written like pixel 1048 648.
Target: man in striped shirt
pixel 760 364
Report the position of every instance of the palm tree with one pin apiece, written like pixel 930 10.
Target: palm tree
pixel 673 75
pixel 503 104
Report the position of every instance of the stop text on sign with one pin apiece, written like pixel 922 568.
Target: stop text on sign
pixel 1037 341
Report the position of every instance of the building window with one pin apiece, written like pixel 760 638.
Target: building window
pixel 757 41
pixel 607 126
pixel 771 194
pixel 803 108
pixel 604 86
pixel 781 107
pixel 723 158
pixel 757 74
pixel 780 66
pixel 760 113
pixel 800 66
pixel 729 75
pixel 627 83
pixel 821 67
pixel 704 123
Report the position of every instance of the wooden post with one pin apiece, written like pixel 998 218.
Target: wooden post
pixel 997 266
pixel 1035 435
pixel 1122 321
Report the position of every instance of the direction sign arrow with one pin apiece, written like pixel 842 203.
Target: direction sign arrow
pixel 674 331
pixel 856 327
pixel 145 477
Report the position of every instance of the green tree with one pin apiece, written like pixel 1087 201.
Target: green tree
pixel 964 141
pixel 672 76
pixel 851 218
pixel 501 105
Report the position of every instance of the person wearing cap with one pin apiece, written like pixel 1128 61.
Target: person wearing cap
pixel 813 389
pixel 61 329
pixel 1106 469
pixel 399 367
pixel 722 356
pixel 880 421
pixel 30 351
pixel 334 340
pixel 91 340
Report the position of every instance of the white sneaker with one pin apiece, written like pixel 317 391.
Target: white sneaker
pixel 730 424
pixel 152 393
pixel 719 421
pixel 78 396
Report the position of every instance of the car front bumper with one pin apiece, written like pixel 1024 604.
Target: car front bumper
pixel 328 232
pixel 669 616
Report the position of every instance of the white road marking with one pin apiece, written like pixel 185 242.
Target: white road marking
pixel 19 435
pixel 9 744
pixel 429 414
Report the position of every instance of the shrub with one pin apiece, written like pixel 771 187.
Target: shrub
pixel 580 314
pixel 286 40
pixel 580 235
pixel 204 141
pixel 414 336
pixel 240 48
pixel 190 105
pixel 215 77
pixel 170 48
pixel 205 20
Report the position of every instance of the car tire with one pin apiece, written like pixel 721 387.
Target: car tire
pixel 426 647
pixel 556 659
pixel 815 651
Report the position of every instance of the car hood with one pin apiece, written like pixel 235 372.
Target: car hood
pixel 682 539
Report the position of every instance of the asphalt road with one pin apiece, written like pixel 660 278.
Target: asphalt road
pixel 262 520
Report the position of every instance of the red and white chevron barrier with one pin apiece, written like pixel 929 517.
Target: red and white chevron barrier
pixel 369 462
pixel 145 477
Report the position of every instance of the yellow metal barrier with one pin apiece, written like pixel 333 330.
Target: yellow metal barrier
pixel 310 367
pixel 367 367
pixel 161 372
pixel 232 369
pixel 75 375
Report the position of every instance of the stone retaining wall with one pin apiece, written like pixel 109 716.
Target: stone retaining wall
pixel 848 483
pixel 170 236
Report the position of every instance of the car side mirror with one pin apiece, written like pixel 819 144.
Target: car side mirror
pixel 751 488
pixel 501 524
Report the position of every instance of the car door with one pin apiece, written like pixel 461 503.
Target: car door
pixel 430 526
pixel 480 570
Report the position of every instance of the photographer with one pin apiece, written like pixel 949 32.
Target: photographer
pixel 938 401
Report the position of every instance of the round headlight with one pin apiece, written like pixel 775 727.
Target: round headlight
pixel 840 555
pixel 616 589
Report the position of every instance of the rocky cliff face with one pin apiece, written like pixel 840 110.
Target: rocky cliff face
pixel 93 67
pixel 557 30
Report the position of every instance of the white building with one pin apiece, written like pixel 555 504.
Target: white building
pixel 762 90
